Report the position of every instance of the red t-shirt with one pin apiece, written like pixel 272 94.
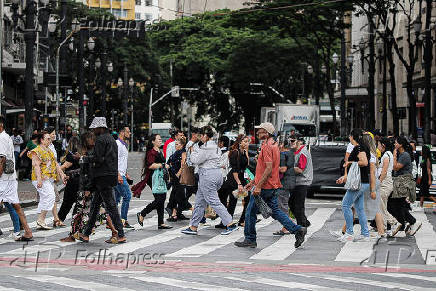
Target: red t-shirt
pixel 165 147
pixel 269 153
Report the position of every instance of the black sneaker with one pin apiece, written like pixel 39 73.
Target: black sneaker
pixel 127 225
pixel 1 232
pixel 299 237
pixel 182 217
pixel 220 225
pixel 246 244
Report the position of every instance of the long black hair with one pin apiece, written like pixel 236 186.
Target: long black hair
pixel 405 144
pixel 388 143
pixel 426 153
pixel 150 141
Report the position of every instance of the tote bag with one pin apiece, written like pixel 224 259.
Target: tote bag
pixel 159 186
pixel 353 178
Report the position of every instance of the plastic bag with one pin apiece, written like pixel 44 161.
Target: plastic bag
pixel 159 185
pixel 264 209
pixel 353 178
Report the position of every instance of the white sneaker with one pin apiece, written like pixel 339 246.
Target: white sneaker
pixel 15 236
pixel 414 228
pixel 361 238
pixel 346 238
pixel 395 229
pixel 336 233
pixel 382 237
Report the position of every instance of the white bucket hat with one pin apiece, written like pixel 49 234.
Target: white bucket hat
pixel 98 122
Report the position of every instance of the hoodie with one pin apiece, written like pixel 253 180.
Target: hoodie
pixel 207 156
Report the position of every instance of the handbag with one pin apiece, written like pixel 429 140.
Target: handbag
pixel 9 165
pixel 264 209
pixel 353 178
pixel 187 175
pixel 159 185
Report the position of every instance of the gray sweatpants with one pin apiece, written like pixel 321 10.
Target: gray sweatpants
pixel 283 200
pixel 209 182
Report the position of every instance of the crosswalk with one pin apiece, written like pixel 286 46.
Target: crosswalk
pixel 114 280
pixel 210 245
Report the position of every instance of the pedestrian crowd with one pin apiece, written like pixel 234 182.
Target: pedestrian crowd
pixel 380 174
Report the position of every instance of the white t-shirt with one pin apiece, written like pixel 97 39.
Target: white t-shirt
pixel 123 155
pixel 7 150
pixel 17 140
pixel 171 149
pixel 350 148
pixel 52 148
pixel 387 155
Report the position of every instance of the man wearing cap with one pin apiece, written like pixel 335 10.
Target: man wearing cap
pixel 266 183
pixel 303 179
pixel 105 176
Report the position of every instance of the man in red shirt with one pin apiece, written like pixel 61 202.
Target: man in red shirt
pixel 266 183
pixel 168 141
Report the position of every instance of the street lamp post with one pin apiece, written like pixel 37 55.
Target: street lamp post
pixel 131 84
pixel 125 97
pixel 120 94
pixel 91 46
pixel 343 84
pixel 81 77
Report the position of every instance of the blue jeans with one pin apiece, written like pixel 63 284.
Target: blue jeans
pixel 123 190
pixel 356 198
pixel 14 216
pixel 270 197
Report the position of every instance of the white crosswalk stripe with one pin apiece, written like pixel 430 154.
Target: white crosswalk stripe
pixel 276 283
pixel 284 247
pixel 376 283
pixel 183 284
pixel 73 283
pixel 426 236
pixel 408 276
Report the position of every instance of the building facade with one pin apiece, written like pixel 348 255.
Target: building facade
pixel 147 10
pixel 122 9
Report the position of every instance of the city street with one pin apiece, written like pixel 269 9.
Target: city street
pixel 168 259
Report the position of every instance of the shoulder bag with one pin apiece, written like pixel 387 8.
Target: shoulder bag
pixel 353 178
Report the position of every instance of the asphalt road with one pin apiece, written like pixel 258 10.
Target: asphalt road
pixel 170 260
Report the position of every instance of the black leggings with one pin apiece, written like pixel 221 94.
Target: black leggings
pixel 399 208
pixel 225 193
pixel 177 198
pixel 70 197
pixel 296 204
pixel 158 204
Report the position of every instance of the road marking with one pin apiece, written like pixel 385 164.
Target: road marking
pixel 355 251
pixel 354 280
pixel 410 276
pixel 277 283
pixel 183 284
pixel 73 283
pixel 7 217
pixel 9 289
pixel 53 245
pixel 214 243
pixel 426 236
pixel 284 247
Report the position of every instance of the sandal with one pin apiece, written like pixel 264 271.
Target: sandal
pixel 83 238
pixel 58 223
pixel 43 226
pixel 172 219
pixel 116 240
pixel 138 216
pixel 23 238
pixel 68 239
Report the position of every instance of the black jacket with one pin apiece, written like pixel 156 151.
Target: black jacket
pixel 105 156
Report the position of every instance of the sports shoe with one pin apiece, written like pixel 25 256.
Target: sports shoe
pixel 127 225
pixel 220 225
pixel 280 233
pixel 414 228
pixel 246 244
pixel 336 233
pixel 346 237
pixel 189 231
pixel 361 238
pixel 15 236
pixel 231 228
pixel 182 217
pixel 299 237
pixel 395 228
pixel 379 237
pixel 1 232
pixel 407 228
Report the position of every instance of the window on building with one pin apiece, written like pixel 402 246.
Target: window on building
pixel 148 16
pixel 119 13
pixel 138 2
pixel 137 16
pixel 148 2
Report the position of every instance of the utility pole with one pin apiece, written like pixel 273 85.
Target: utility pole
pixel 29 37
pixel 428 57
pixel 103 69
pixel 343 84
pixel 125 97
pixel 371 75
pixel 81 77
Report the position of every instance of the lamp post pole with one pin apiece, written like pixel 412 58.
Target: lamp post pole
pixel 150 111
pixel 81 77
pixel 29 37
pixel 125 97
pixel 343 84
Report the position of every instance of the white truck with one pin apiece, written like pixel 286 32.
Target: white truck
pixel 303 119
